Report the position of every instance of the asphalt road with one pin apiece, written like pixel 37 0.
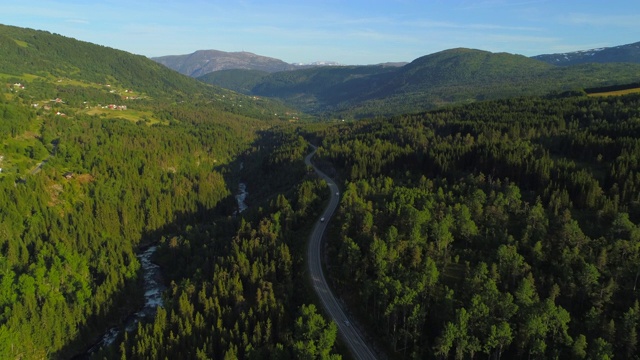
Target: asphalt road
pixel 350 334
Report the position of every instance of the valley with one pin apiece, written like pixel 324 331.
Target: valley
pixel 467 204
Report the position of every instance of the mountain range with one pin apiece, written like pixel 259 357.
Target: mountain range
pixel 202 62
pixel 447 77
pixel 451 76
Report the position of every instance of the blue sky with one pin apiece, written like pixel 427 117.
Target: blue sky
pixel 349 32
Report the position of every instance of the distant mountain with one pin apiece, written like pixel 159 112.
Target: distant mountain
pixel 619 54
pixel 203 62
pixel 447 77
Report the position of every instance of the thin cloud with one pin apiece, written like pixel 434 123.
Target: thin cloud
pixel 611 20
pixel 78 21
pixel 492 4
pixel 521 39
pixel 452 25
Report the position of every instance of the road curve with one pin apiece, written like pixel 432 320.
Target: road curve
pixel 350 334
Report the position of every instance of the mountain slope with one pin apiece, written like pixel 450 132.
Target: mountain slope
pixel 58 66
pixel 203 62
pixel 37 52
pixel 629 53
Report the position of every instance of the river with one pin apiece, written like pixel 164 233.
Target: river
pixel 153 289
pixel 241 196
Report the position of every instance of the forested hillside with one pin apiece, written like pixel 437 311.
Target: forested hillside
pixel 499 229
pixel 103 153
pixel 50 65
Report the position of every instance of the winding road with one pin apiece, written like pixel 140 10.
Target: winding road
pixel 350 334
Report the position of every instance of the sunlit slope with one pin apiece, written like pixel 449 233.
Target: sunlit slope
pixel 50 62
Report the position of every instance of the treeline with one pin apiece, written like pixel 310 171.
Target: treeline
pixel 498 229
pixel 612 88
pixel 237 285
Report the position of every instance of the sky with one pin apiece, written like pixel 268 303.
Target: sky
pixel 357 32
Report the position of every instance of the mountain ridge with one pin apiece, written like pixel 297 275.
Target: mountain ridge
pixel 629 53
pixel 202 62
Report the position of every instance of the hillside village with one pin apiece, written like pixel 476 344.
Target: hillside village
pixel 60 107
pixel 48 105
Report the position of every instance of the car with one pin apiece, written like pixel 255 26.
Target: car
pixel 337 194
pixel 347 323
pixel 321 219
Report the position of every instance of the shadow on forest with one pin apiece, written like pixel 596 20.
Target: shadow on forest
pixel 130 299
pixel 248 167
pixel 263 176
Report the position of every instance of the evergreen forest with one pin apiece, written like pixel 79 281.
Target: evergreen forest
pixel 503 229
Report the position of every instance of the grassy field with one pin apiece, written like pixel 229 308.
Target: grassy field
pixel 25 77
pixel 131 115
pixel 21 43
pixel 617 93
